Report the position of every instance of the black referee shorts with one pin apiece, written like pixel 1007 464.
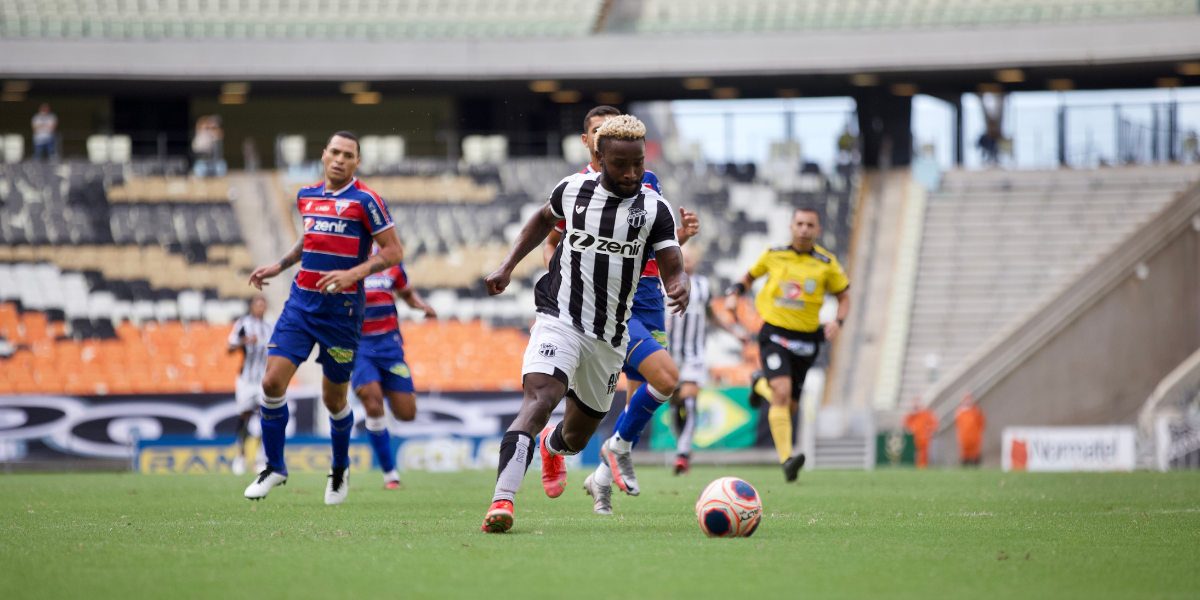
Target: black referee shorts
pixel 787 353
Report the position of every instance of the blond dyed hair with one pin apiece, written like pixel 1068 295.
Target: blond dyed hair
pixel 620 127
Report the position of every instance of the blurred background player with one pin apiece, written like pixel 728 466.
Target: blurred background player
pixel 798 276
pixel 379 368
pixel 969 425
pixel 325 307
pixel 579 339
pixel 646 358
pixel 923 424
pixel 685 339
pixel 249 336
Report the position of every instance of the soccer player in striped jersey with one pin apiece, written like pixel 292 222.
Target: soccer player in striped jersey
pixel 249 336
pixel 379 368
pixel 583 305
pixel 647 359
pixel 686 333
pixel 325 307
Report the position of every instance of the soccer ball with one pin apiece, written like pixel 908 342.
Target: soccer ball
pixel 728 507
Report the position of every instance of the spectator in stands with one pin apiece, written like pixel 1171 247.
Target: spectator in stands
pixel 969 423
pixel 44 125
pixel 206 146
pixel 922 423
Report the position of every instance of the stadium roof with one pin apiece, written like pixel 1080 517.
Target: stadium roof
pixel 812 46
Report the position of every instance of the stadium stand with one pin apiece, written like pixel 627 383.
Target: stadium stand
pixel 295 19
pixel 117 279
pixel 998 246
pixel 703 16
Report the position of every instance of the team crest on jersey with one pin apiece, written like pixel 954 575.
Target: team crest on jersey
pixel 400 369
pixel 547 350
pixel 810 285
pixel 341 205
pixel 341 355
pixel 637 218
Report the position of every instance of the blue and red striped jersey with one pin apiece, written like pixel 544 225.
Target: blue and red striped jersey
pixel 380 316
pixel 338 231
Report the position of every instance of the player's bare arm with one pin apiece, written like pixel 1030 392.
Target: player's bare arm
pixel 689 225
pixel 391 252
pixel 258 277
pixel 535 230
pixel 413 299
pixel 833 327
pixel 733 329
pixel 670 267
pixel 738 288
pixel 550 246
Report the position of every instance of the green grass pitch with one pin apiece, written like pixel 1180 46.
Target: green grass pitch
pixel 903 534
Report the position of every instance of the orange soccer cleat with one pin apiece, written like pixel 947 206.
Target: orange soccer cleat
pixel 554 467
pixel 499 517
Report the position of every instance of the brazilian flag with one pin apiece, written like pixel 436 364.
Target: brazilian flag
pixel 724 420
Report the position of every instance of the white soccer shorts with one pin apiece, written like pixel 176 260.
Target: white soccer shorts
pixel 247 395
pixel 592 366
pixel 693 370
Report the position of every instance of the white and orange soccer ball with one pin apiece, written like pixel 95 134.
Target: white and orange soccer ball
pixel 729 507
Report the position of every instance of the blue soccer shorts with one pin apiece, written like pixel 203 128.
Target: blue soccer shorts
pixel 385 365
pixel 647 335
pixel 337 336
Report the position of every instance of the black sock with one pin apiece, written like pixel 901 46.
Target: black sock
pixel 558 445
pixel 243 430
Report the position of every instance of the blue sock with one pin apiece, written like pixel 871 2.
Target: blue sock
pixel 641 408
pixel 274 430
pixel 381 441
pixel 340 430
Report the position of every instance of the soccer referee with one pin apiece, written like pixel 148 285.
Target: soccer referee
pixel 798 276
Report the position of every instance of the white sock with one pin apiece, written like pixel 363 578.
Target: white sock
pixel 391 476
pixel 269 402
pixel 376 424
pixel 341 414
pixel 603 475
pixel 689 426
pixel 619 445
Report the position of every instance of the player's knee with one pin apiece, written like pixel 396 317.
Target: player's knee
pixel 274 387
pixel 781 391
pixel 404 407
pixel 371 402
pixel 664 378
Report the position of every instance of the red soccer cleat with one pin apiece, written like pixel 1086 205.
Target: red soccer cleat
pixel 499 518
pixel 554 467
pixel 681 465
pixel 391 485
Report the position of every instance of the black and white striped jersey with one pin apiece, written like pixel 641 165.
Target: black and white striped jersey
pixel 596 268
pixel 254 359
pixel 685 332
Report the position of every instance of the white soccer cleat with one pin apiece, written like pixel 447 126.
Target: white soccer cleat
pixel 391 480
pixel 602 495
pixel 267 479
pixel 621 464
pixel 337 486
pixel 239 465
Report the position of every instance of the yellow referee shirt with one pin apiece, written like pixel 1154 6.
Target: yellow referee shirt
pixel 796 285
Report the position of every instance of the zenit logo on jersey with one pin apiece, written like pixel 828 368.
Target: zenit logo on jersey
pixel 582 241
pixel 338 228
pixel 311 224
